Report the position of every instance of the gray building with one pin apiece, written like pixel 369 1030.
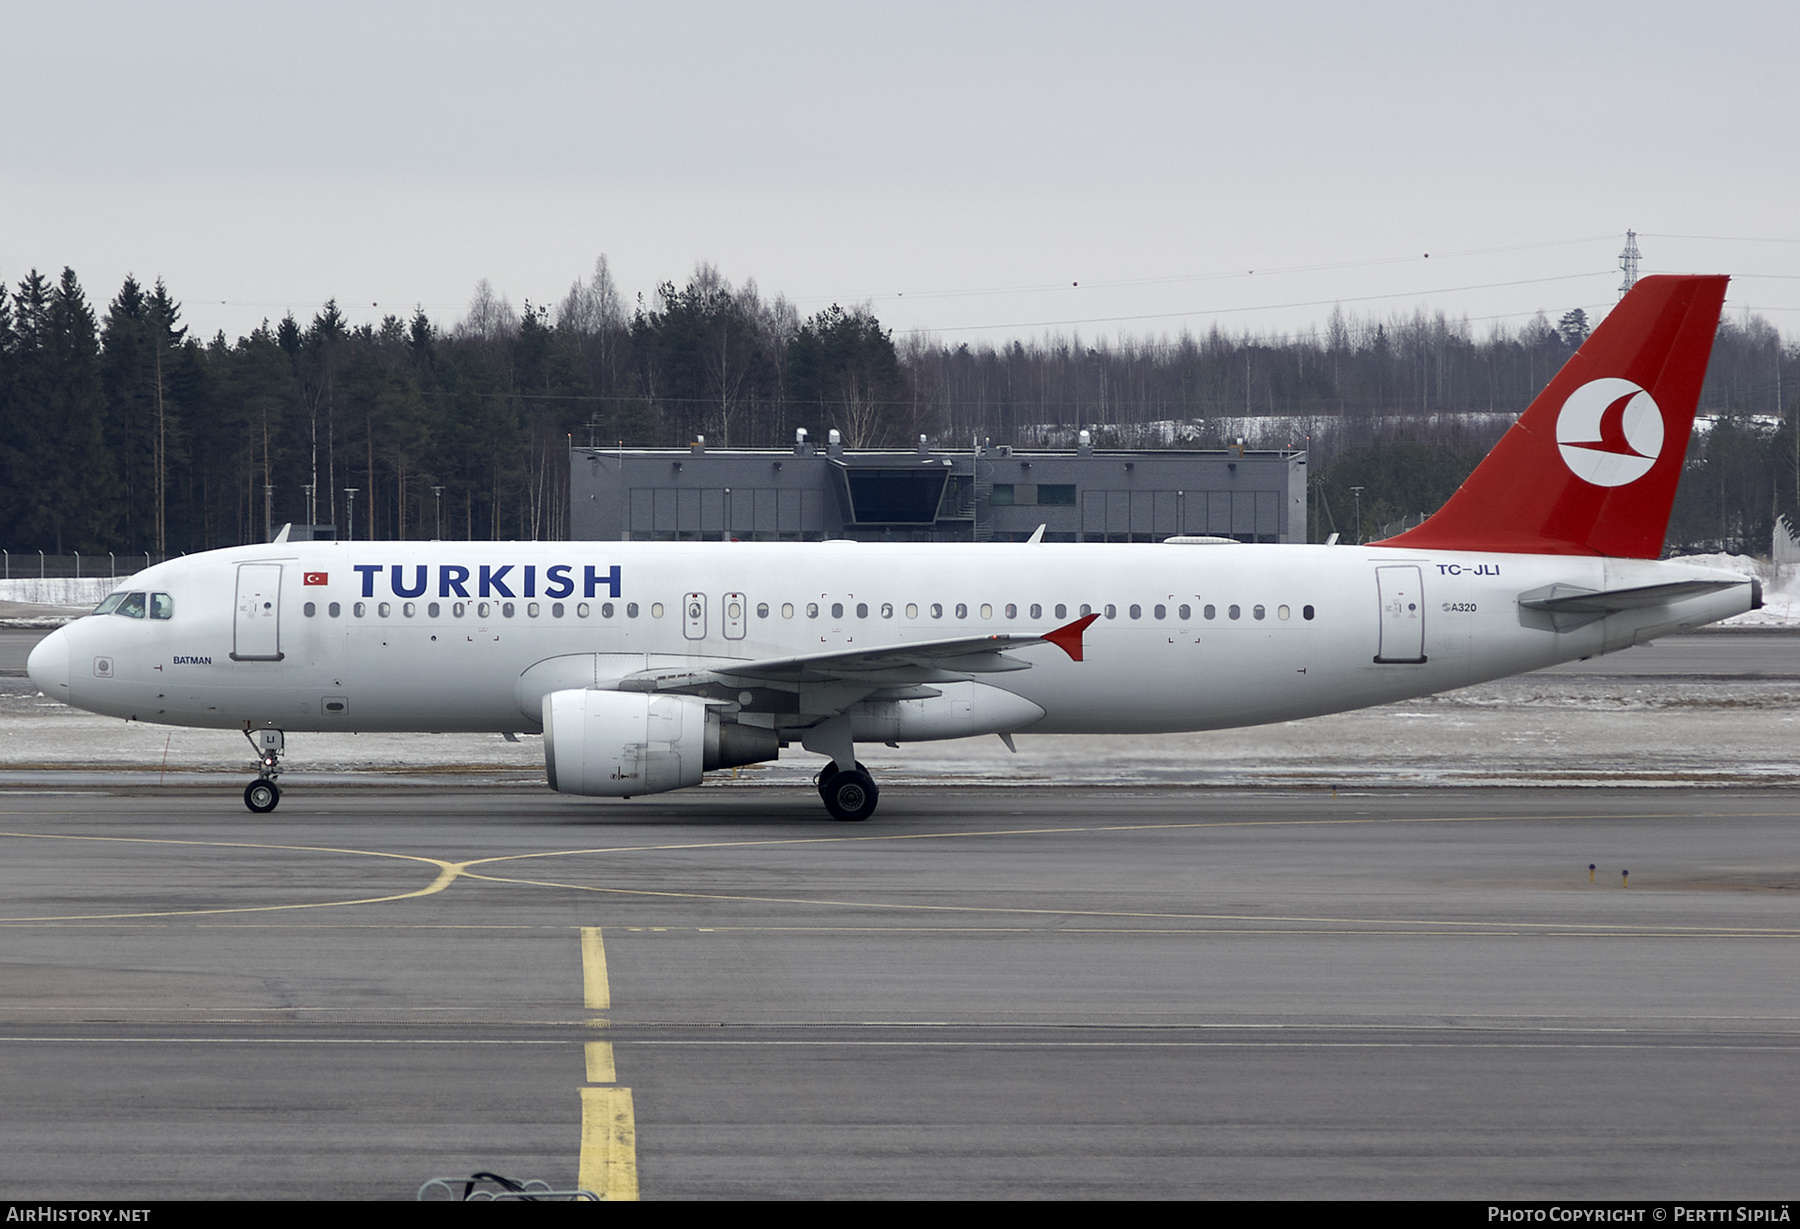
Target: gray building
pixel 927 495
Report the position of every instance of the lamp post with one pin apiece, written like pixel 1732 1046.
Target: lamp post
pixel 437 493
pixel 350 513
pixel 1357 491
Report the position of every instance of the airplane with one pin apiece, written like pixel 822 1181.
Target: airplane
pixel 646 664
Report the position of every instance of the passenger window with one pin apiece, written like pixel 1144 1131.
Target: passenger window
pixel 1281 612
pixel 606 610
pixel 310 609
pixel 1233 612
pixel 887 610
pixel 1012 611
pixel 506 609
pixel 434 610
pixel 912 610
pixel 787 610
pixel 409 609
pixel 762 610
pixel 1037 611
pixel 837 610
pixel 1062 611
pixel 962 610
pixel 531 610
pixel 1258 611
pixel 937 610
pixel 1184 612
pixel 334 610
pixel 1161 611
pixel 1086 610
pixel 459 609
pixel 582 608
pixel 162 606
pixel 987 611
pixel 862 610
pixel 1306 612
pixel 556 610
pixel 1209 610
pixel 631 610
pixel 1112 611
pixel 482 609
pixel 1136 611
pixel 360 609
pixel 384 610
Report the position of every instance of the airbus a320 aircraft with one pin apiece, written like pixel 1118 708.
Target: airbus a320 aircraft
pixel 646 664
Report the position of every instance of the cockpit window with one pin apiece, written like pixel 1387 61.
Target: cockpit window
pixel 162 606
pixel 109 603
pixel 132 607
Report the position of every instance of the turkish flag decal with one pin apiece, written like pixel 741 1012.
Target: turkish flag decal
pixel 318 578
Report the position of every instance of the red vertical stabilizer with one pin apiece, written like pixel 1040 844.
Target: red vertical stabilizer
pixel 1590 468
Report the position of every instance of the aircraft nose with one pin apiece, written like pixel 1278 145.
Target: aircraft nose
pixel 48 665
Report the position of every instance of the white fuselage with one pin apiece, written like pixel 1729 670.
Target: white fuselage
pixel 471 636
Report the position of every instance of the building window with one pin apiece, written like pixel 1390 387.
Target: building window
pixel 1002 496
pixel 1057 493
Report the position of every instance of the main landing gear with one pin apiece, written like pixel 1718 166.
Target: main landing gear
pixel 849 794
pixel 263 795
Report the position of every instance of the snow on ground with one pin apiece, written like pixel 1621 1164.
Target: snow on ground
pixel 1781 589
pixel 84 592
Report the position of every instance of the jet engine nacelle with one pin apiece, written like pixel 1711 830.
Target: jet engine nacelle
pixel 615 744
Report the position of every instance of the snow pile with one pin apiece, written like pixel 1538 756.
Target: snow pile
pixel 1781 589
pixel 59 590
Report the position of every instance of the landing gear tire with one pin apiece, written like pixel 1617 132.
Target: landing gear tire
pixel 831 770
pixel 849 796
pixel 262 796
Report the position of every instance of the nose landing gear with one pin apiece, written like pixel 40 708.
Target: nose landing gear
pixel 263 795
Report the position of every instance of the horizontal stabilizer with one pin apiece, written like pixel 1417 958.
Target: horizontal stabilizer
pixel 1573 599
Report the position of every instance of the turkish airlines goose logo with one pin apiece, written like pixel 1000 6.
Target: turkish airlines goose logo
pixel 1610 432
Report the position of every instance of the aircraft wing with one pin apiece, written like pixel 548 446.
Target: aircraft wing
pixel 874 668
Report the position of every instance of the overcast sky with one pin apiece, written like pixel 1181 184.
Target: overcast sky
pixel 979 171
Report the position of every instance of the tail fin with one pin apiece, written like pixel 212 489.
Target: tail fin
pixel 1590 468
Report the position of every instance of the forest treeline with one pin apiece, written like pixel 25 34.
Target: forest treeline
pixel 120 431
